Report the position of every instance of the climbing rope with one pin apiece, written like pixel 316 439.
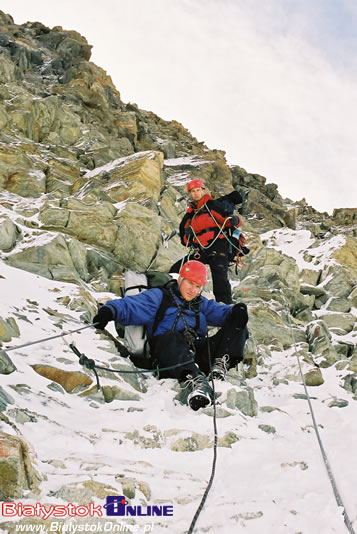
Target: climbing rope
pixel 322 449
pixel 87 362
pixel 194 250
pixel 221 229
pixel 90 364
pixel 337 495
pixel 28 344
pixel 215 443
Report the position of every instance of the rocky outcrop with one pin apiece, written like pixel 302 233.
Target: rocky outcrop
pixel 345 216
pixel 69 380
pixel 106 182
pixel 18 474
pixel 6 365
pixel 8 234
pixel 264 201
pixel 8 329
pixel 91 186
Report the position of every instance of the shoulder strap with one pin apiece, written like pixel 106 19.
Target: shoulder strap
pixel 141 287
pixel 165 303
pixel 196 310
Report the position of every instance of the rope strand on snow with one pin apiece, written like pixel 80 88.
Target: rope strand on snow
pixel 90 364
pixel 48 338
pixel 87 362
pixel 215 443
pixel 338 498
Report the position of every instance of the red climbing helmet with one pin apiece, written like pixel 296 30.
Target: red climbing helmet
pixel 195 271
pixel 195 183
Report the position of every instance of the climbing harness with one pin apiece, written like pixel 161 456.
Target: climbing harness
pixel 190 334
pixel 221 229
pixel 196 254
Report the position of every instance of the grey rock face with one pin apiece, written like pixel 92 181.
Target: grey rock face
pixel 91 186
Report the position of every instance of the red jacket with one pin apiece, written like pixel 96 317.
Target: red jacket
pixel 206 218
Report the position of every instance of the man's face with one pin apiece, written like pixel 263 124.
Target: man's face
pixel 197 193
pixel 189 290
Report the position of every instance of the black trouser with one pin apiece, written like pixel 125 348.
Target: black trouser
pixel 228 340
pixel 171 348
pixel 218 262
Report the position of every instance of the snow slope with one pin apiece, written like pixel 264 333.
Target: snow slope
pixel 272 478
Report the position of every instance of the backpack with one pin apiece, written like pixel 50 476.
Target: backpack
pixel 237 247
pixel 136 343
pixel 236 239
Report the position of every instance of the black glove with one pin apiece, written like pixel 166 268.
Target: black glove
pixel 103 317
pixel 240 315
pixel 234 220
pixel 235 197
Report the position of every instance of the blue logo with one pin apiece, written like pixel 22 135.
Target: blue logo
pixel 117 505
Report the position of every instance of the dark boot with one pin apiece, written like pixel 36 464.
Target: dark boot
pixel 201 394
pixel 220 368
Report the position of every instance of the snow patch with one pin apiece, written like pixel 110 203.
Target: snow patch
pixel 148 154
pixel 296 243
pixel 192 161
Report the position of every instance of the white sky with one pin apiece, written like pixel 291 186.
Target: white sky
pixel 273 82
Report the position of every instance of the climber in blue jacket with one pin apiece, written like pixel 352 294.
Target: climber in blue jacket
pixel 180 335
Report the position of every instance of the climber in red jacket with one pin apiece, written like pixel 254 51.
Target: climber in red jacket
pixel 206 227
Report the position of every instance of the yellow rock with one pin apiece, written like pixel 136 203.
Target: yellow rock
pixel 347 255
pixel 69 380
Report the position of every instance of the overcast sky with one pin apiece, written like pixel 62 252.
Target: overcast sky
pixel 273 83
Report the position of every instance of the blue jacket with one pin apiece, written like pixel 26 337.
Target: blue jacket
pixel 141 309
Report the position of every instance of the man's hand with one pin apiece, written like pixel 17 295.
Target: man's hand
pixel 103 317
pixel 240 314
pixel 234 220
